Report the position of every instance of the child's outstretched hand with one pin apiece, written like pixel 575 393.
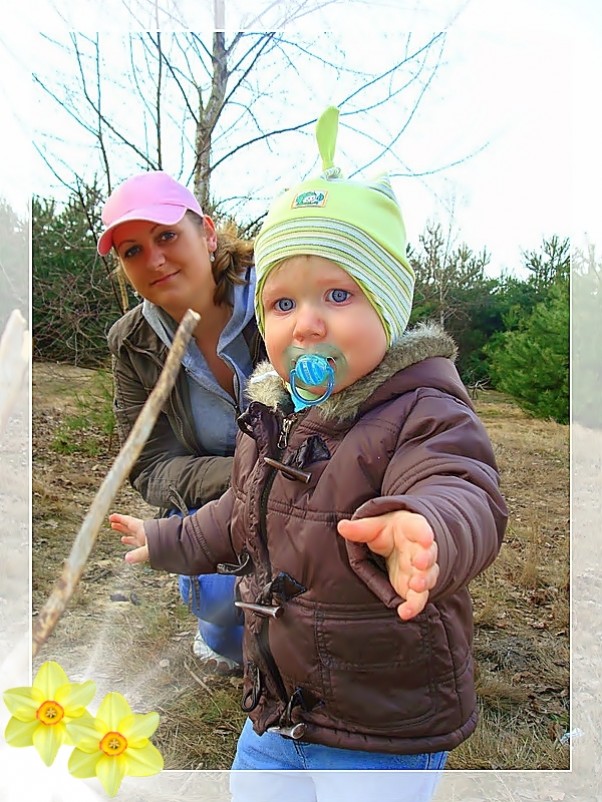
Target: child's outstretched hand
pixel 133 535
pixel 406 541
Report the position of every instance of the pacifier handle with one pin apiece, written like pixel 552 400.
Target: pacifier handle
pixel 314 369
pixel 310 402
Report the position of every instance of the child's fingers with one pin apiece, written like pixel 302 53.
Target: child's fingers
pixel 417 530
pixel 425 558
pixel 139 555
pixel 123 523
pixel 413 605
pixel 424 580
pixel 360 529
pixel 368 530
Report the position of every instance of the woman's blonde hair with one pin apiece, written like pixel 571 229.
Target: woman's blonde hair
pixel 233 257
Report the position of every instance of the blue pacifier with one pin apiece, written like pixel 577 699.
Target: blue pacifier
pixel 313 370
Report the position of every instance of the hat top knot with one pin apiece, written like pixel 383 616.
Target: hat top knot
pixel 326 136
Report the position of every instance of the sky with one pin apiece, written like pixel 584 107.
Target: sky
pixel 515 79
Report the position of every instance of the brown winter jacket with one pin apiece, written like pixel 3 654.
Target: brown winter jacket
pixel 172 470
pixel 327 659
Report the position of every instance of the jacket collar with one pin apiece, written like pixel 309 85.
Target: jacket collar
pixel 423 342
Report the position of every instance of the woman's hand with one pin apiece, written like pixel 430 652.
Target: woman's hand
pixel 406 541
pixel 133 535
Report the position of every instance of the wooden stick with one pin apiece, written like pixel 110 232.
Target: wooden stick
pixel 86 537
pixel 15 349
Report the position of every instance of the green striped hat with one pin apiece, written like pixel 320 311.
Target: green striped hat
pixel 356 224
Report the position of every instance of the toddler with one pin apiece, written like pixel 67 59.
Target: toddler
pixel 364 499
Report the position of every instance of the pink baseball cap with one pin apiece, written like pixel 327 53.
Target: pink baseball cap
pixel 153 196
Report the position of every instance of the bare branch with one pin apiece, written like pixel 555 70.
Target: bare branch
pixel 71 187
pixel 260 138
pixel 157 43
pixel 303 9
pixel 101 116
pixel 83 543
pixel 263 44
pixel 178 83
pixel 101 142
pixel 407 122
pixel 392 69
pixel 441 168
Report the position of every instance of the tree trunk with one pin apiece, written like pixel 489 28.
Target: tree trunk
pixel 208 117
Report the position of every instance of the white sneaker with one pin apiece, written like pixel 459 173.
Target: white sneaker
pixel 211 659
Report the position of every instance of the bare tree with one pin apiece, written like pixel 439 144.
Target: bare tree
pixel 211 109
pixel 444 273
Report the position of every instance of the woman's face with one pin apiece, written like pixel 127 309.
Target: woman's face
pixel 168 265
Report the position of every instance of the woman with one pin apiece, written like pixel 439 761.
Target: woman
pixel 172 255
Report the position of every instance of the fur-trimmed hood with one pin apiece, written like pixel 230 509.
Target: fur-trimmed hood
pixel 427 341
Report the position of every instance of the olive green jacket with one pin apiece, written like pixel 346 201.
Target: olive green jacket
pixel 172 469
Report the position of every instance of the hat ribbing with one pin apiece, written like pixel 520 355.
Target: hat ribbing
pixel 358 225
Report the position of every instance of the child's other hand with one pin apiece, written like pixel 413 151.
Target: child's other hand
pixel 133 535
pixel 406 541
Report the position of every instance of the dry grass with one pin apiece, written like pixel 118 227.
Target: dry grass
pixel 141 646
pixel 522 602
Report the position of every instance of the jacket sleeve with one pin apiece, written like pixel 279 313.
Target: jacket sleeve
pixel 195 544
pixel 444 469
pixel 166 473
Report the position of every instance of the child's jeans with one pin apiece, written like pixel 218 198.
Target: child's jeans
pixel 211 599
pixel 273 751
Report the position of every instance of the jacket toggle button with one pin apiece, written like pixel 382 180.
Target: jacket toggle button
pixel 294 731
pixel 288 470
pixel 265 610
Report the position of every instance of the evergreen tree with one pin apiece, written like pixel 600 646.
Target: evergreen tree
pixel 532 363
pixel 74 301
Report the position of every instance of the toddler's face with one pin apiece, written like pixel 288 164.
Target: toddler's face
pixel 309 301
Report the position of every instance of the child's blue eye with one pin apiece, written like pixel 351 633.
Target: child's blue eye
pixel 284 304
pixel 338 296
pixel 166 235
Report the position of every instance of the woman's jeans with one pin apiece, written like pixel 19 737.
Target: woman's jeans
pixel 352 775
pixel 211 599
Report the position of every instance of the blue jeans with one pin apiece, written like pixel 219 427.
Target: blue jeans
pixel 361 776
pixel 273 751
pixel 211 600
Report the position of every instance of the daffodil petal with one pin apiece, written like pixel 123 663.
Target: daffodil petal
pixel 82 765
pixel 113 709
pixel 20 733
pixel 143 762
pixel 23 703
pixel 111 771
pixel 138 727
pixel 50 678
pixel 84 732
pixel 47 740
pixel 75 696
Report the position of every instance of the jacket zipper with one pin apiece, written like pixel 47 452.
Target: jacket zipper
pixel 264 649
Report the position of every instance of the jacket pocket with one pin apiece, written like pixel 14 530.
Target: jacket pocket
pixel 376 669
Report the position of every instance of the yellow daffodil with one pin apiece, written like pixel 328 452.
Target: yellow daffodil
pixel 119 747
pixel 47 714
